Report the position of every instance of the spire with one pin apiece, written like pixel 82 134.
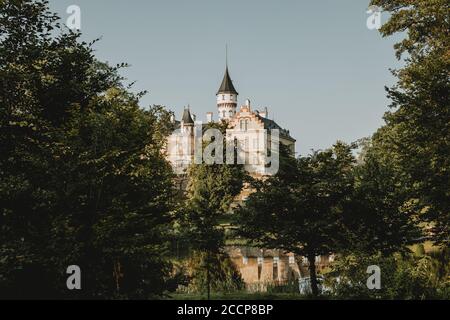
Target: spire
pixel 227 83
pixel 226 55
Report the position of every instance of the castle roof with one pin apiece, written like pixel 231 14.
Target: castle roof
pixel 227 84
pixel 271 124
pixel 187 118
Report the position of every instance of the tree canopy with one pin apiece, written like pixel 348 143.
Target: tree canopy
pixel 415 141
pixel 82 177
pixel 300 209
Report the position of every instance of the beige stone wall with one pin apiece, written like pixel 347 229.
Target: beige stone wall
pixel 180 149
pixel 258 275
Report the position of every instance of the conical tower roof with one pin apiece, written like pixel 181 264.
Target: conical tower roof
pixel 227 84
pixel 187 118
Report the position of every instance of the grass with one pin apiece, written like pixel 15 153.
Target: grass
pixel 239 296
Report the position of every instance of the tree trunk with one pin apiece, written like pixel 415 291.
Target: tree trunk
pixel 208 277
pixel 118 275
pixel 312 274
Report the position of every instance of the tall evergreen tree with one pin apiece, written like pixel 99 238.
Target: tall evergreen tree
pixel 212 188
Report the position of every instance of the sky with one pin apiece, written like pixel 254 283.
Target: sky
pixel 316 66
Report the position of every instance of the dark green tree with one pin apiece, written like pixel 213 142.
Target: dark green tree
pixel 212 189
pixel 300 209
pixel 416 137
pixel 379 216
pixel 223 273
pixel 82 177
pixel 403 277
pixel 118 196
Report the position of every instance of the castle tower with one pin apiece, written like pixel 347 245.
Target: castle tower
pixel 226 98
pixel 187 123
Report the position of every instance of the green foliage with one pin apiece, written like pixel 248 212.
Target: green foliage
pixel 82 177
pixel 379 216
pixel 419 250
pixel 425 22
pixel 402 277
pixel 212 189
pixel 224 275
pixel 300 209
pixel 290 286
pixel 415 142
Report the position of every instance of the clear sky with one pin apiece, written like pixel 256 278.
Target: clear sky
pixel 314 64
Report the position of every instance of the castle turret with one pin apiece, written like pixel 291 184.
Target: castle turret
pixel 226 98
pixel 187 123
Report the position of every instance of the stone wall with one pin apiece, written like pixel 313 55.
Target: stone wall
pixel 260 267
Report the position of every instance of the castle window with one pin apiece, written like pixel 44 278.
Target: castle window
pixel 255 143
pixel 259 271
pixel 223 114
pixel 275 268
pixel 244 125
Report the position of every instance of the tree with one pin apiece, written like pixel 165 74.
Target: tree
pixel 300 209
pixel 118 196
pixel 379 216
pixel 223 273
pixel 416 137
pixel 402 277
pixel 82 178
pixel 212 188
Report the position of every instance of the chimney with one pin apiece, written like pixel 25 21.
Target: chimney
pixel 264 113
pixel 209 117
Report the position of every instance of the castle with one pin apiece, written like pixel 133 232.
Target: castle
pixel 249 128
pixel 253 131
